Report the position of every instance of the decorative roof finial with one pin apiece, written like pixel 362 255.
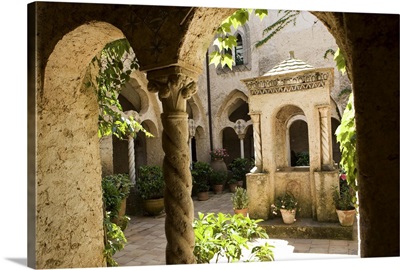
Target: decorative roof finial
pixel 291 54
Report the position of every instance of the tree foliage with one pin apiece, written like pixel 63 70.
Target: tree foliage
pixel 116 62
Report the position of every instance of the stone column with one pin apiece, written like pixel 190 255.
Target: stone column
pixel 131 158
pixel 174 86
pixel 326 140
pixel 192 133
pixel 255 117
pixel 239 129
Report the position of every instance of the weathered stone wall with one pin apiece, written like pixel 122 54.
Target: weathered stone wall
pixel 69 210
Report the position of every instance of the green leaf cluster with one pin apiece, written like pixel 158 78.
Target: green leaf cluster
pixel 240 167
pixel 150 182
pixel 114 241
pixel 115 188
pixel 115 64
pixel 225 41
pixel 201 172
pixel 240 199
pixel 218 177
pixel 223 235
pixel 346 137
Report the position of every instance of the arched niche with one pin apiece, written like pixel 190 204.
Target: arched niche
pixel 297 137
pixel 286 117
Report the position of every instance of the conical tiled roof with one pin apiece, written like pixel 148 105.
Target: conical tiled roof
pixel 289 65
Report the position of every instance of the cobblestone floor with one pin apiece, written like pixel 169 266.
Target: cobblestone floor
pixel 146 239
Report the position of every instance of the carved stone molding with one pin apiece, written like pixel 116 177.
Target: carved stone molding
pixel 268 85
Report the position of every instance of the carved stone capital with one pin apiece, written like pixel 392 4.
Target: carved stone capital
pixel 174 86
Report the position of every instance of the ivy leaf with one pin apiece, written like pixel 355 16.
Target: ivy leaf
pixel 215 58
pixel 261 13
pixel 340 61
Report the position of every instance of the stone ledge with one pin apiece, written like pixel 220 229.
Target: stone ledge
pixel 307 228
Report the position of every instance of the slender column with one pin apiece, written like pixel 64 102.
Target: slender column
pixel 131 159
pixel 255 117
pixel 174 87
pixel 192 133
pixel 240 131
pixel 241 138
pixel 326 141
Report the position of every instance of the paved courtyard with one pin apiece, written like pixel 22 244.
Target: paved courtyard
pixel 147 242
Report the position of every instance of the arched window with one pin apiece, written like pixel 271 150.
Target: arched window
pixel 238 51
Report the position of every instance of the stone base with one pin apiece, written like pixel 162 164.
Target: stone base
pixel 307 228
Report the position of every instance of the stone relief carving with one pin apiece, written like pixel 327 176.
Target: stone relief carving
pixel 262 86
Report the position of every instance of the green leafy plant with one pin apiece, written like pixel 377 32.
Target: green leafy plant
pixel 303 159
pixel 240 167
pixel 114 240
pixel 240 198
pixel 115 63
pixel 218 177
pixel 286 201
pixel 224 235
pixel 116 187
pixel 201 176
pixel 343 196
pixel 150 182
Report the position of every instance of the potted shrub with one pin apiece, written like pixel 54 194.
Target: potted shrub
pixel 233 184
pixel 286 204
pixel 343 199
pixel 240 201
pixel 150 185
pixel 201 177
pixel 239 168
pixel 218 179
pixel 116 189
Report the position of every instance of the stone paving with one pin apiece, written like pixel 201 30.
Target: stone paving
pixel 146 239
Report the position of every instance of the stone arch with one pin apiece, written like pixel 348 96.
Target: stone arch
pixel 134 92
pixel 230 103
pixel 285 116
pixel 67 127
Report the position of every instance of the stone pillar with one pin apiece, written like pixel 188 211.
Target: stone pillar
pixel 131 158
pixel 326 139
pixel 192 133
pixel 255 117
pixel 174 86
pixel 239 129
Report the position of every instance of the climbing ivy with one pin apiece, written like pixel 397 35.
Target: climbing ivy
pixel 115 62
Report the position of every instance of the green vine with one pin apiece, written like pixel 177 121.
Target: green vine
pixel 346 136
pixel 116 62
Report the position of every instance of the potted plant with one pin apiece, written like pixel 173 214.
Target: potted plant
pixel 286 204
pixel 218 179
pixel 344 201
pixel 239 168
pixel 233 184
pixel 150 185
pixel 217 159
pixel 201 177
pixel 116 189
pixel 240 201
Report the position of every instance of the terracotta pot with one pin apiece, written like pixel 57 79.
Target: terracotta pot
pixel 242 212
pixel 346 217
pixel 288 216
pixel 219 165
pixel 240 183
pixel 232 187
pixel 218 189
pixel 202 196
pixel 154 206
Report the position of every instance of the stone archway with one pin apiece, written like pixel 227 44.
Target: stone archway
pixel 68 168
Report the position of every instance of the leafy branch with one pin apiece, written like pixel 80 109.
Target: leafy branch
pixel 116 62
pixel 226 42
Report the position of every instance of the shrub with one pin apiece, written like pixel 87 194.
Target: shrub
pixel 150 182
pixel 116 187
pixel 240 198
pixel 224 235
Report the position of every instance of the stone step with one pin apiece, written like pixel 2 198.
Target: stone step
pixel 307 228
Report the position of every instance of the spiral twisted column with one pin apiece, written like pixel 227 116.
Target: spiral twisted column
pixel 131 159
pixel 255 117
pixel 326 141
pixel 174 88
